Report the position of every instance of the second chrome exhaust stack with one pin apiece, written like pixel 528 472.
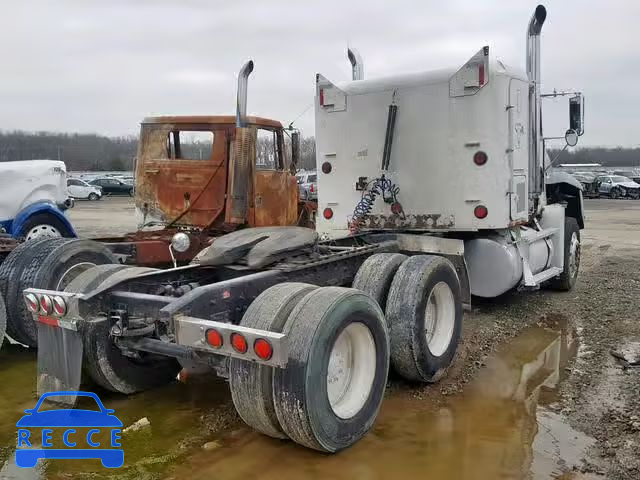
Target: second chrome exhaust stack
pixel 357 67
pixel 536 150
pixel 243 82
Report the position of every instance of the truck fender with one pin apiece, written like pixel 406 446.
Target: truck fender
pixel 563 187
pixel 36 208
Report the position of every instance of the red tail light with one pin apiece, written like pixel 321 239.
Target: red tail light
pixel 481 212
pixel 59 306
pixel 321 95
pixel 327 213
pixel 46 305
pixel 263 349
pixel 239 343
pixel 214 338
pixel 32 302
pixel 481 74
pixel 311 188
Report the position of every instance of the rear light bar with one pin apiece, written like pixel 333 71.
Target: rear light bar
pixel 232 340
pixel 44 304
pixel 52 308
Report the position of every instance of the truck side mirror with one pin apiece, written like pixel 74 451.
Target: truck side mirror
pixel 571 137
pixel 295 150
pixel 576 114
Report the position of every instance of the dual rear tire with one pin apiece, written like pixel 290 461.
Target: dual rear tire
pixel 341 344
pixel 421 296
pixel 329 393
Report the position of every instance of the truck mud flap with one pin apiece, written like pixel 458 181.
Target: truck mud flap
pixel 59 361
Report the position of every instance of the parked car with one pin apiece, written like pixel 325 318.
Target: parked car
pixel 308 185
pixel 33 198
pixel 80 189
pixel 617 186
pixel 113 186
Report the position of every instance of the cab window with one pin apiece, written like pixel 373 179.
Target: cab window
pixel 190 145
pixel 269 150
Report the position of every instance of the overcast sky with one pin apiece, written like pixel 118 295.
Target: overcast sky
pixel 101 66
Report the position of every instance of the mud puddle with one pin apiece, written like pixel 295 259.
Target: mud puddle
pixel 505 425
pixel 179 419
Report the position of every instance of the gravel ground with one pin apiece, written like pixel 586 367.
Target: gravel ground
pixel 599 397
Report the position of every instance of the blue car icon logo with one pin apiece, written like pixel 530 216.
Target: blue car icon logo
pixel 27 454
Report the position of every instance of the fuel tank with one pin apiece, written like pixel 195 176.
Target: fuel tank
pixel 495 265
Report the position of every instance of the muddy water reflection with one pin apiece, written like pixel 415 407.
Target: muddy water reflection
pixel 498 428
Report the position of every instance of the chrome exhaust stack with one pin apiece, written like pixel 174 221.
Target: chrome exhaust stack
pixel 536 150
pixel 357 67
pixel 243 82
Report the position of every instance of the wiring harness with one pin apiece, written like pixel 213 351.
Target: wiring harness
pixel 379 186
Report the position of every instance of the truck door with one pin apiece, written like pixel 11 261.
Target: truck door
pixel 275 189
pixel 518 149
pixel 182 172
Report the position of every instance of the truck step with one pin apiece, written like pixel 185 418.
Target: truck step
pixel 543 276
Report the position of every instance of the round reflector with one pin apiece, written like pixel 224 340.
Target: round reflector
pixel 32 302
pixel 263 349
pixel 239 343
pixel 396 208
pixel 46 305
pixel 481 211
pixel 214 338
pixel 480 158
pixel 327 213
pixel 326 167
pixel 59 306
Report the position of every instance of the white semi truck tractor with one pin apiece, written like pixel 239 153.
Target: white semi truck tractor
pixel 433 188
pixel 458 153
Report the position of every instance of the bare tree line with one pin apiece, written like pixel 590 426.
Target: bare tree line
pixel 97 152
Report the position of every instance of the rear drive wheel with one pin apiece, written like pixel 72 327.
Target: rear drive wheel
pixel 251 383
pixel 94 196
pixel 53 269
pixel 376 273
pixel 10 273
pixel 424 311
pixel 3 320
pixel 330 392
pixel 108 367
pixel 567 279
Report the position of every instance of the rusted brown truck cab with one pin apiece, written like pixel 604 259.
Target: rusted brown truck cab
pixel 186 168
pixel 206 176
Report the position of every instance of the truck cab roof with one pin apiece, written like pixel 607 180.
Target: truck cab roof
pixel 210 120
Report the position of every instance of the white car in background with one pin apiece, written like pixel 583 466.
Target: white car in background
pixel 80 189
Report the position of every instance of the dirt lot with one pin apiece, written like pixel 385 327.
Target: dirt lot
pixel 534 393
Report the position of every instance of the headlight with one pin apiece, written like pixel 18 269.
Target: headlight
pixel 180 242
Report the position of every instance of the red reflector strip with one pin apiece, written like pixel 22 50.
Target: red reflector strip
pixel 48 320
pixel 321 95
pixel 481 74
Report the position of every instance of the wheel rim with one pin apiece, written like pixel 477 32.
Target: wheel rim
pixel 42 231
pixel 71 273
pixel 351 370
pixel 574 255
pixel 440 318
